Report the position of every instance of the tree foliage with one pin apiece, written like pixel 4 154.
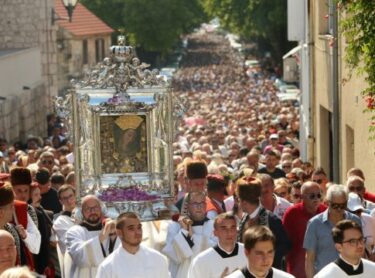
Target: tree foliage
pixel 155 25
pixel 261 21
pixel 358 27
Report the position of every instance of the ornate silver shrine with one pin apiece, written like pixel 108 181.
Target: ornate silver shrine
pixel 121 119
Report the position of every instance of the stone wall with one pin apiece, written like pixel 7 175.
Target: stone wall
pixel 70 56
pixel 25 24
pixel 23 114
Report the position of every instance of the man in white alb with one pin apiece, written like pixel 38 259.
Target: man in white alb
pixel 132 259
pixel 189 236
pixel 225 257
pixel 350 244
pixel 260 250
pixel 63 221
pixel 90 242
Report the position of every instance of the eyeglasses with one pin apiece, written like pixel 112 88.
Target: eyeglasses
pixel 49 162
pixel 91 209
pixel 355 241
pixel 196 205
pixel 297 196
pixel 286 166
pixel 313 196
pixel 356 188
pixel 318 181
pixel 338 206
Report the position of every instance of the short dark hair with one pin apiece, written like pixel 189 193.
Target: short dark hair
pixel 341 227
pixel 42 176
pixel 256 234
pixel 123 216
pixel 57 178
pixel 319 171
pixel 297 185
pixel 273 152
pixel 63 188
pixel 224 216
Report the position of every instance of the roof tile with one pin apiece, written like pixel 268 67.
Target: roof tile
pixel 84 22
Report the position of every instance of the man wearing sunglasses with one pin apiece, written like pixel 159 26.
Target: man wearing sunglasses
pixel 350 244
pixel 318 243
pixel 47 160
pixel 295 222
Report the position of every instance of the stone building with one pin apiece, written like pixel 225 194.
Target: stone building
pixel 338 130
pixel 81 43
pixel 28 67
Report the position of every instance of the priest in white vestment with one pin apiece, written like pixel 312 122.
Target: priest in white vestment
pixel 189 236
pixel 132 259
pixel 350 244
pixel 90 242
pixel 225 257
pixel 64 221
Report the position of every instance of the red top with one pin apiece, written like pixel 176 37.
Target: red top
pixel 295 222
pixel 21 213
pixel 369 196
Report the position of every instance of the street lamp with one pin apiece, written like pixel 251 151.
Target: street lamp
pixel 69 6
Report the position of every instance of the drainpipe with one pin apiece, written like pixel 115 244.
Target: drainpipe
pixel 335 94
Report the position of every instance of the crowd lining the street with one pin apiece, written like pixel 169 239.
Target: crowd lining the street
pixel 249 206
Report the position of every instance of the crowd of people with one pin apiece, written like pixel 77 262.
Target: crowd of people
pixel 248 205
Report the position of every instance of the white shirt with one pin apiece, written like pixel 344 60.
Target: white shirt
pixel 33 238
pixel 332 270
pixel 60 226
pixel 368 229
pixel 212 262
pixel 145 263
pixel 229 203
pixel 281 206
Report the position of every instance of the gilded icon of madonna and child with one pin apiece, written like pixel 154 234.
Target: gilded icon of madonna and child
pixel 123 144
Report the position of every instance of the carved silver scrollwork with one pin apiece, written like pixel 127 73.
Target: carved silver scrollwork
pixel 63 108
pixel 121 70
pixel 117 89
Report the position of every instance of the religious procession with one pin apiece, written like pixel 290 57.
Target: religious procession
pixel 234 163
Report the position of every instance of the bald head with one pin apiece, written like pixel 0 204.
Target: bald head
pixel 308 186
pixel 6 235
pixel 89 199
pixel 8 252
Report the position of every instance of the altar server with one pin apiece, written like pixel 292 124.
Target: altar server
pixel 189 236
pixel 260 251
pixel 132 259
pixel 223 258
pixel 90 242
pixel 350 244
